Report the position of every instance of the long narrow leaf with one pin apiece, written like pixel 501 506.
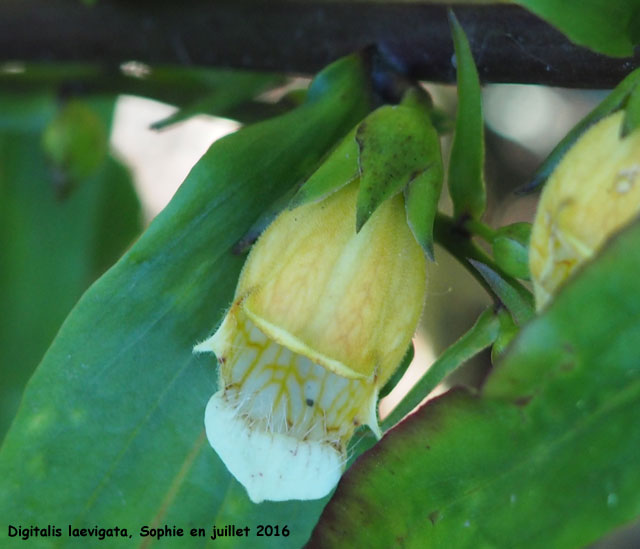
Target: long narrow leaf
pixel 110 430
pixel 482 334
pixel 602 25
pixel 614 101
pixel 466 163
pixel 514 296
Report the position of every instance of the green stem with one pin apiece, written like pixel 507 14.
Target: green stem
pixel 480 229
pixel 456 239
pixel 483 333
pixel 175 85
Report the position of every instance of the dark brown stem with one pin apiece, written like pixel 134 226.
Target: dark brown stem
pixel 509 44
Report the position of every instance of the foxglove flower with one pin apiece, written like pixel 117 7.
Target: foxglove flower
pixel 593 192
pixel 321 318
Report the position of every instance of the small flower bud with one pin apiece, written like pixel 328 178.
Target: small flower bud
pixel 511 249
pixel 592 193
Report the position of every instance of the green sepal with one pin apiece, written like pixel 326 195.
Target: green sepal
pixel 75 143
pixel 508 330
pixel 511 249
pixel 631 120
pixel 339 168
pixel 397 375
pixel 514 297
pixel 399 145
pixel 421 197
pixel 616 100
pixel 422 193
pixel 419 97
pixel 466 163
pixel 394 148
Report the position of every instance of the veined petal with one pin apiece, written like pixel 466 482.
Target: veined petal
pixel 281 423
pixel 321 318
pixel 592 193
pixel 354 298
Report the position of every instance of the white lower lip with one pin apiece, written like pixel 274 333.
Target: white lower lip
pixel 272 466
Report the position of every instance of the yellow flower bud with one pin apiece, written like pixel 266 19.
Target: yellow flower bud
pixel 321 318
pixel 592 193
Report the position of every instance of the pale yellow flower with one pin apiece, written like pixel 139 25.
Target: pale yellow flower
pixel 593 192
pixel 320 320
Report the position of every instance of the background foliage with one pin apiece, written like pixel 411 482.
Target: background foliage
pixel 109 428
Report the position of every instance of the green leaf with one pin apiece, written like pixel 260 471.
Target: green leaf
pixel 466 163
pixel 508 331
pixel 631 120
pixel 51 249
pixel 397 375
pixel 482 334
pixel 634 27
pixel 118 219
pixel 515 298
pixel 548 456
pixel 421 197
pixel 605 26
pixel 110 430
pixel 398 145
pixel 594 313
pixel 613 102
pixel 239 88
pixel 511 249
pixel 339 168
pixel 184 87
